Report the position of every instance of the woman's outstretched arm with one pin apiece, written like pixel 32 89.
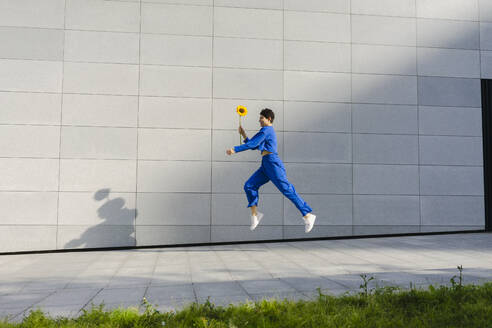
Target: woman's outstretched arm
pixel 251 143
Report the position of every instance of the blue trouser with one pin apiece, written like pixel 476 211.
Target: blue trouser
pixel 273 169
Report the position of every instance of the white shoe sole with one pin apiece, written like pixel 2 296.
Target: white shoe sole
pixel 254 223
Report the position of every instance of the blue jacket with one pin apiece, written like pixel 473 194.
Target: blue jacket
pixel 265 139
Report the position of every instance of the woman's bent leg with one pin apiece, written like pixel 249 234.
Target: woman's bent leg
pixel 276 172
pixel 254 183
pixel 290 192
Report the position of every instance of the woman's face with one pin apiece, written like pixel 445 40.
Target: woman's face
pixel 264 121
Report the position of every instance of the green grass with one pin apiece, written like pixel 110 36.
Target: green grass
pixel 456 305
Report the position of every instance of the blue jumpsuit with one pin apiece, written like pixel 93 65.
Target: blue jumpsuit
pixel 271 168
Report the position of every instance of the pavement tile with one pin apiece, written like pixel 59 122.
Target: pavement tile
pixel 128 282
pixel 216 289
pixel 11 288
pixel 115 295
pixel 266 286
pixel 308 283
pixel 68 297
pixel 14 301
pixel 45 284
pixel 166 293
pixel 349 281
pixel 172 305
pixel 168 280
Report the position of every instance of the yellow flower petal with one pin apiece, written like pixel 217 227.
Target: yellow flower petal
pixel 241 110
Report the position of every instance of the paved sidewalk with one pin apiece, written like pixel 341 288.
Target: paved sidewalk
pixel 65 283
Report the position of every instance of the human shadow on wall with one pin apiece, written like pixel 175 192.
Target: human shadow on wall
pixel 117 227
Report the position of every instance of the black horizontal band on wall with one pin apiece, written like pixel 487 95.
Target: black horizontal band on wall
pixel 487 150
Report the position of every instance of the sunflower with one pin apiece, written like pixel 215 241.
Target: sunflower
pixel 241 110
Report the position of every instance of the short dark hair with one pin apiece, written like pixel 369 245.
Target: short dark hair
pixel 268 113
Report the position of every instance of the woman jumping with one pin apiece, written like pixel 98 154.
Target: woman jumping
pixel 271 168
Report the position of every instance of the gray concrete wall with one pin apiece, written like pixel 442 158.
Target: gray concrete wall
pixel 115 117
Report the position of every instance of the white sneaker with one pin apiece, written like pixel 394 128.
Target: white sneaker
pixel 255 220
pixel 309 222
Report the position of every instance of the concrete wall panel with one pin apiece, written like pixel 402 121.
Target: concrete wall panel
pixel 448 62
pixel 16 238
pixel 92 175
pixel 335 209
pixel 248 23
pixel 173 209
pixel 101 47
pixel 451 150
pixel 266 4
pixel 384 30
pixel 450 121
pixel 399 8
pixel 175 81
pixel 383 59
pixel 317 56
pixel 173 176
pixel 386 210
pixel 452 210
pixel 30 108
pixel 305 147
pixel 386 179
pixel 385 89
pixel 231 209
pixel 29 141
pixel 101 207
pixel 385 149
pixel 320 178
pixel 100 110
pixel 111 79
pixel 27 208
pixel 448 9
pixel 158 49
pixel 157 112
pixel 30 75
pixel 335 6
pixel 95 15
pixel 317 116
pixel 171 235
pixel 31 43
pixel 174 144
pixel 442 91
pixel 451 180
pixel 28 174
pixel 71 237
pixel 315 86
pixel 21 13
pixel 247 84
pixel 248 53
pixel 449 34
pixel 312 26
pixel 98 142
pixel 384 119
